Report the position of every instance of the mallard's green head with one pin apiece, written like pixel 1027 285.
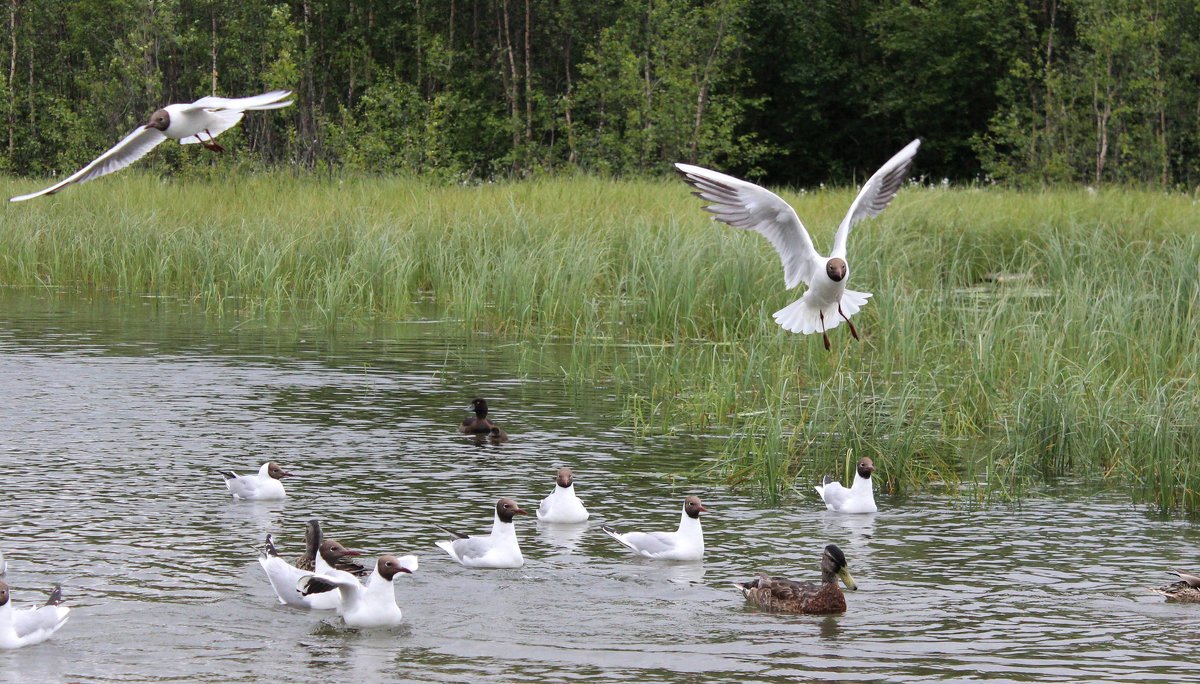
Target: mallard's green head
pixel 833 563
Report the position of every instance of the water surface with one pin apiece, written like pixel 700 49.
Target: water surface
pixel 118 416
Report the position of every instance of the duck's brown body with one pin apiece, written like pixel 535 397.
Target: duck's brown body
pixel 786 596
pixel 1179 591
pixel 476 426
pixel 1186 590
pixel 479 423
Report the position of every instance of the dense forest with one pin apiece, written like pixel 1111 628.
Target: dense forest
pixel 793 91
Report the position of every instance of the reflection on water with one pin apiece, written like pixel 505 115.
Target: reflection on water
pixel 117 418
pixel 565 537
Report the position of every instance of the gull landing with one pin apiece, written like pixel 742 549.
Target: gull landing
pixel 751 207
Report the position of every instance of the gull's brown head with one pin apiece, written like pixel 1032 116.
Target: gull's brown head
pixel 507 508
pixel 835 268
pixel 3 593
pixel 276 471
pixel 332 552
pixel 160 120
pixel 693 507
pixel 389 566
pixel 865 467
pixel 565 478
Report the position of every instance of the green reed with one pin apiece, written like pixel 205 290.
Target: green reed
pixel 1013 337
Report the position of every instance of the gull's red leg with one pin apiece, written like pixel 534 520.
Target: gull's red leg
pixel 210 143
pixel 847 319
pixel 824 335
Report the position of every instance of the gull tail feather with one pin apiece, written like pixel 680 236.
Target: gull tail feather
pixel 825 482
pixel 612 532
pixel 269 547
pixel 56 597
pixel 452 533
pixel 804 317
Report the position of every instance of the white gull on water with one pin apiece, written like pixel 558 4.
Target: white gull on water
pixel 684 544
pixel 497 550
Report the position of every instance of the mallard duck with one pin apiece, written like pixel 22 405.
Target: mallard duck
pixel 787 596
pixel 1186 590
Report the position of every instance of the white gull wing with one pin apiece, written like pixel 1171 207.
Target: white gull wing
pixel 32 625
pixel 39 623
pixel 283 577
pixel 347 585
pixel 500 549
pixel 858 498
pixel 649 544
pixel 372 605
pixel 685 544
pixel 876 194
pixel 257 487
pixel 833 494
pixel 469 549
pixel 271 100
pixel 218 122
pixel 485 552
pixel 222 113
pixel 752 207
pixel 132 148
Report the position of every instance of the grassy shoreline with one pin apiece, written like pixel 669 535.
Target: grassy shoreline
pixel 1083 364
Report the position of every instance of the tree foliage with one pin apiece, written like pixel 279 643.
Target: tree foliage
pixel 1033 91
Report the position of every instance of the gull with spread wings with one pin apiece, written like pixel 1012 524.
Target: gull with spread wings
pixel 752 207
pixel 198 122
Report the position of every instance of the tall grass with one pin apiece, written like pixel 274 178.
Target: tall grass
pixel 1079 362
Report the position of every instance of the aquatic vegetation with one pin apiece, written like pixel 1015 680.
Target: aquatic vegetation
pixel 1014 337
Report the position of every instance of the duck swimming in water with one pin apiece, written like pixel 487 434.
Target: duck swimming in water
pixel 787 596
pixel 1186 590
pixel 480 425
